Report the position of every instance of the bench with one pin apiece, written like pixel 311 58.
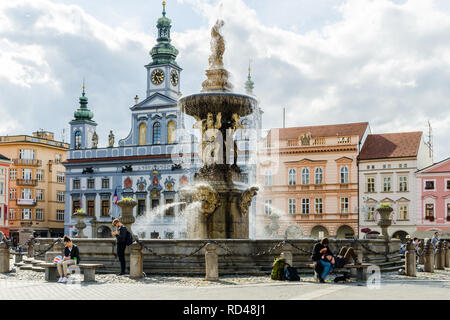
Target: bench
pixel 51 273
pixel 361 270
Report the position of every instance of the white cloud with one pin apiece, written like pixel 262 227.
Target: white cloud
pixel 386 62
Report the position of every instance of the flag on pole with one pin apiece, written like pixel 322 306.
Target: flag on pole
pixel 115 197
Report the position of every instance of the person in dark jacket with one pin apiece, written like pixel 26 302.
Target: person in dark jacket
pixel 321 265
pixel 121 238
pixel 71 256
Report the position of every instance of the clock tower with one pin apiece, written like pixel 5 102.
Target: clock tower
pixel 163 73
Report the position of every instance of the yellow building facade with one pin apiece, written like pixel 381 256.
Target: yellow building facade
pixel 36 185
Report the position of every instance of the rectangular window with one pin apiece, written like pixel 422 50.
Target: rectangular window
pixel 26 154
pixel 305 206
pixel 12 214
pixel 2 188
pixel 39 194
pixel 105 208
pixel 12 194
pixel 371 214
pixel 370 184
pixel 26 174
pixel 60 196
pixel 60 177
pixel 344 205
pixel 403 184
pixel 318 206
pixel 387 184
pixel 141 208
pixel 429 210
pixel 91 208
pixel 105 183
pixel 26 194
pixel 40 214
pixel 292 204
pixel 76 184
pixel 26 214
pixel 268 178
pixel 448 209
pixel 60 215
pixel 170 212
pixel 403 212
pixel 155 203
pixel 448 184
pixel 429 185
pixel 91 183
pixel 75 205
pixel 268 207
pixel 40 175
pixel 13 174
pixel 57 158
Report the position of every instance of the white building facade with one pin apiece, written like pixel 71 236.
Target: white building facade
pixel 387 166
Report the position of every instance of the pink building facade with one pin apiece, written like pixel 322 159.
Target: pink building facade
pixel 434 200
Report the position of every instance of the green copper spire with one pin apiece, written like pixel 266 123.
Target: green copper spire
pixel 249 85
pixel 164 52
pixel 83 113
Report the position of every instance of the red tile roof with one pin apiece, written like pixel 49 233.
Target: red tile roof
pixel 391 145
pixel 346 129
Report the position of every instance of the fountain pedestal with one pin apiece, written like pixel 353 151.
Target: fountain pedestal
pixel 127 218
pixel 223 203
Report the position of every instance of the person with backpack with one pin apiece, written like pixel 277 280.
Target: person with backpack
pixel 124 239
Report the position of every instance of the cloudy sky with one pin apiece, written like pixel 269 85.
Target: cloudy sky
pixel 325 61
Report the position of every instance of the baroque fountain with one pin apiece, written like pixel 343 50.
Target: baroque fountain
pixel 223 204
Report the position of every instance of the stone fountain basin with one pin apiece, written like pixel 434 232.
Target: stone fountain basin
pixel 225 102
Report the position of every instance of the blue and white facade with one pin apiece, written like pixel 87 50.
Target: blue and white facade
pixel 140 166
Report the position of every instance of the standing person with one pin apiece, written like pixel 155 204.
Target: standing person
pixel 435 240
pixel 71 256
pixel 121 237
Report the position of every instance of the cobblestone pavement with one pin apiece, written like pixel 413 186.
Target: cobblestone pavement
pixel 31 285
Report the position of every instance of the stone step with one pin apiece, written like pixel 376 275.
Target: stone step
pixel 38 269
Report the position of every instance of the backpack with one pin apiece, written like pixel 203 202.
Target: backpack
pixel 292 274
pixel 278 272
pixel 130 239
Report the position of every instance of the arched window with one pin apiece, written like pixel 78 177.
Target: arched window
pixel 292 177
pixel 77 140
pixel 318 176
pixel 157 133
pixel 305 176
pixel 171 132
pixel 344 175
pixel 142 134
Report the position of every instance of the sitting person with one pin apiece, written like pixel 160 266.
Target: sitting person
pixel 344 257
pixel 71 256
pixel 322 266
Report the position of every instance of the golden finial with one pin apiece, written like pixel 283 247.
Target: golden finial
pixel 164 8
pixel 84 86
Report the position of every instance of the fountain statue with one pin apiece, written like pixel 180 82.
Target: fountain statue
pixel 223 207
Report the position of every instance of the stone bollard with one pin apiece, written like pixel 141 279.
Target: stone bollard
pixel 18 257
pixel 211 262
pixel 57 250
pixel 447 254
pixel 439 261
pixel 136 261
pixel 4 258
pixel 429 257
pixel 286 254
pixel 410 260
pixel 421 251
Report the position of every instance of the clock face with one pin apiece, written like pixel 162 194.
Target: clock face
pixel 174 78
pixel 157 76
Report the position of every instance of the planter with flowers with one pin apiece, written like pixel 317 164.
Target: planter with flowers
pixel 80 215
pixel 127 205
